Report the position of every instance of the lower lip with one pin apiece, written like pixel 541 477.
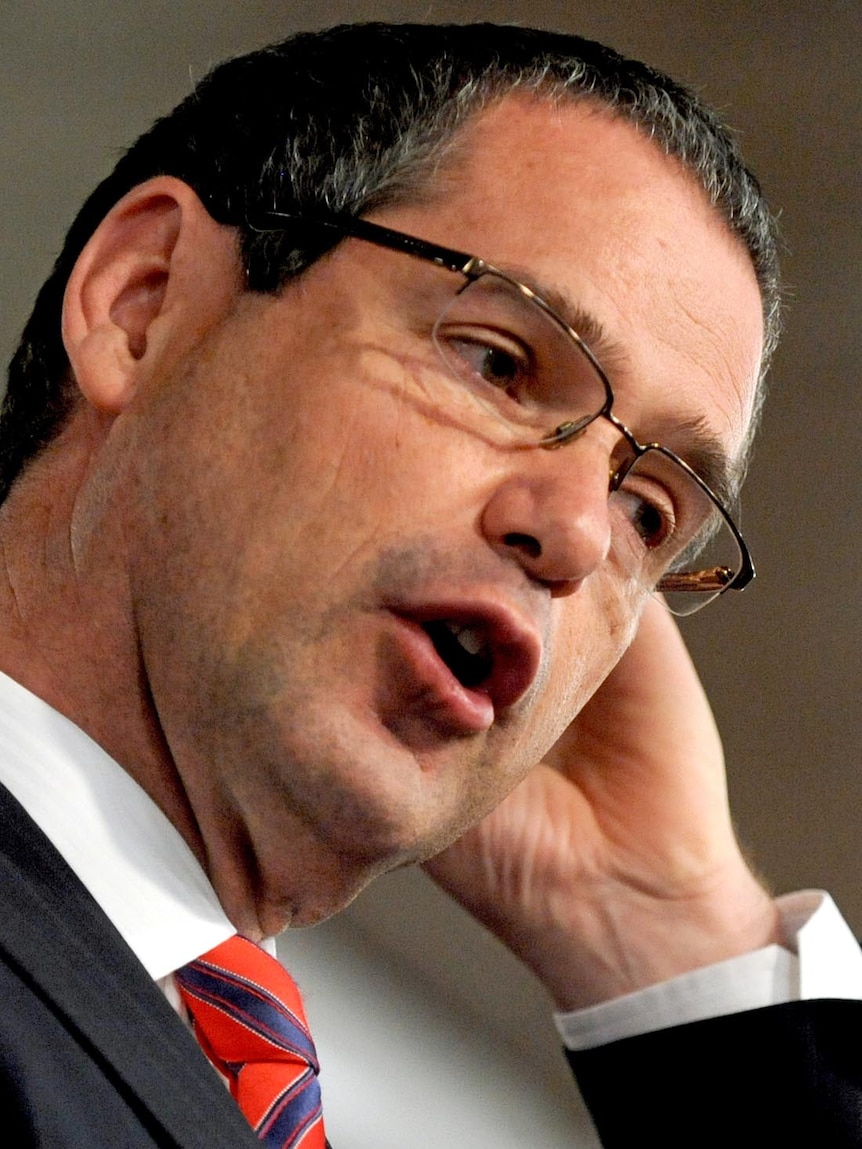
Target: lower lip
pixel 463 710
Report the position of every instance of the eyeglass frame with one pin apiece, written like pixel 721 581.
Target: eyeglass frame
pixel 472 267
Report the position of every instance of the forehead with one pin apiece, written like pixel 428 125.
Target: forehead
pixel 583 206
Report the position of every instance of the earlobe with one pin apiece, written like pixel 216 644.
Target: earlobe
pixel 123 283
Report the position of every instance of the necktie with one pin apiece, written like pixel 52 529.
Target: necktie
pixel 249 1020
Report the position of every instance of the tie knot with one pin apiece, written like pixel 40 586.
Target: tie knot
pixel 249 1019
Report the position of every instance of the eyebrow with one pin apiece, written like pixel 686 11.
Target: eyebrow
pixel 696 444
pixel 610 352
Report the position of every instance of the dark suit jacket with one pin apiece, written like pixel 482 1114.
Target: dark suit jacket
pixel 91 1053
pixel 789 1076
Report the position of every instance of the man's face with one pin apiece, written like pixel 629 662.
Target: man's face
pixel 308 517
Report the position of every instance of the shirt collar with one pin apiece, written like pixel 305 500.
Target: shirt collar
pixel 132 860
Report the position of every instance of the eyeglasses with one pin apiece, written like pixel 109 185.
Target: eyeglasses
pixel 511 353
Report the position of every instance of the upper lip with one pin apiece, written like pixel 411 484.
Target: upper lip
pixel 513 639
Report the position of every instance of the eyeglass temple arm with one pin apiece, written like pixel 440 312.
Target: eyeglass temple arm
pixel 712 579
pixel 375 233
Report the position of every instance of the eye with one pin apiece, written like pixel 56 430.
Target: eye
pixel 494 365
pixel 492 357
pixel 648 498
pixel 648 515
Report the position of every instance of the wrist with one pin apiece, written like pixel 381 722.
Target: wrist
pixel 621 944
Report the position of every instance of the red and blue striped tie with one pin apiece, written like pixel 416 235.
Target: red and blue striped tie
pixel 249 1020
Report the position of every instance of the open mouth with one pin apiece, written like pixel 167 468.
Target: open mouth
pixel 489 650
pixel 464 650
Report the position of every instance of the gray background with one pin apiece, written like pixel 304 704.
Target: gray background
pixel 78 80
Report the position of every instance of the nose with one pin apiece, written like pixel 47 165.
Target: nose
pixel 551 513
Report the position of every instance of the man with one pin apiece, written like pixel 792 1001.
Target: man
pixel 325 535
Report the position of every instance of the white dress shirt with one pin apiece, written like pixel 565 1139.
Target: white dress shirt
pixel 140 871
pixel 110 832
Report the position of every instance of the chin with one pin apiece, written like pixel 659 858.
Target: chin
pixel 324 892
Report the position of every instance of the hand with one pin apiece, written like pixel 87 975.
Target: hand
pixel 614 864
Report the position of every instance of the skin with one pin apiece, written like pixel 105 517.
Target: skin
pixel 259 499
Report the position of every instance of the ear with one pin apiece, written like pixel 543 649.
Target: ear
pixel 156 260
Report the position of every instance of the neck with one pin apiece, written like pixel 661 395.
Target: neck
pixel 67 624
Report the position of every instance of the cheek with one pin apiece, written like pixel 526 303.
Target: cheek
pixel 370 471
pixel 593 633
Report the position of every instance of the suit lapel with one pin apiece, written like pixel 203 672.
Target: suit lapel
pixel 60 941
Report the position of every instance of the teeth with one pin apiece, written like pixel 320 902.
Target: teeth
pixel 468 637
pixel 464 649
